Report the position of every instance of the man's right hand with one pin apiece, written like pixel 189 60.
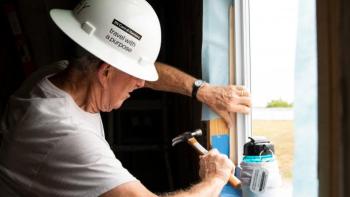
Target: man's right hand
pixel 214 165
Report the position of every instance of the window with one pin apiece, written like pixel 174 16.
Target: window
pixel 272 39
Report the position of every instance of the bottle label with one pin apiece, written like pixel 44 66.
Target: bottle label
pixel 258 180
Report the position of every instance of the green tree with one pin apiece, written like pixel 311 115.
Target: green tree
pixel 279 103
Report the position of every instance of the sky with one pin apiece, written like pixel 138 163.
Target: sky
pixel 273 30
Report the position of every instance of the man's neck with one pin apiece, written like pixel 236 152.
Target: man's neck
pixel 75 83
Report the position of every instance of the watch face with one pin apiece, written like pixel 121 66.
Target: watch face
pixel 198 83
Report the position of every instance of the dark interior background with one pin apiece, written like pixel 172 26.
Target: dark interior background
pixel 140 132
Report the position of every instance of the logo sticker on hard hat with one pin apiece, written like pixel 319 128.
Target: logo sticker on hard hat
pixel 126 29
pixel 116 37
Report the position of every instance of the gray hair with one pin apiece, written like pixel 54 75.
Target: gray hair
pixel 83 60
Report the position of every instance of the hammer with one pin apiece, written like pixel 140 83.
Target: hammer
pixel 190 138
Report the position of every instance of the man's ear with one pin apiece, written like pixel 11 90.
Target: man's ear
pixel 103 73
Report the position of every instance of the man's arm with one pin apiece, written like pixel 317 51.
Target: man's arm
pixel 215 170
pixel 221 99
pixel 171 80
pixel 205 188
pixel 208 188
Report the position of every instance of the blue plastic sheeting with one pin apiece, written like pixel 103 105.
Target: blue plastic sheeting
pixel 215 46
pixel 221 142
pixel 306 184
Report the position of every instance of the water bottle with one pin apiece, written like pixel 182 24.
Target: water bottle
pixel 259 169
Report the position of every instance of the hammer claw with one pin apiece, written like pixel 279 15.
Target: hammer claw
pixel 176 140
pixel 181 138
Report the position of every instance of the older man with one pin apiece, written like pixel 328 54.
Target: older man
pixel 53 135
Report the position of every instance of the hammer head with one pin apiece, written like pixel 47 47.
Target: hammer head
pixel 185 136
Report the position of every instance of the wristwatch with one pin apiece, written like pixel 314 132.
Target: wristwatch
pixel 195 87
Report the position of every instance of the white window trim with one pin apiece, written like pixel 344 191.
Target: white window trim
pixel 242 71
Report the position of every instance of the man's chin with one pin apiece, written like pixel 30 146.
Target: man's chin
pixel 111 108
pixel 117 106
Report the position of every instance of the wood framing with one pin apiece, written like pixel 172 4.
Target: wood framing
pixel 232 61
pixel 218 127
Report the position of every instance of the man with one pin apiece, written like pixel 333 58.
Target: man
pixel 53 135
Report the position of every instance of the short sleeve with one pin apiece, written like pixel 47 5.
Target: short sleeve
pixel 80 165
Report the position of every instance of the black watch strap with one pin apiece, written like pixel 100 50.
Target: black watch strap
pixel 195 87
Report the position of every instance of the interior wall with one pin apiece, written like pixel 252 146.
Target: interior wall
pixel 11 72
pixel 47 43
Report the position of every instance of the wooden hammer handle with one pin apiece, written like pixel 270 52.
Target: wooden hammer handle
pixel 234 181
pixel 197 146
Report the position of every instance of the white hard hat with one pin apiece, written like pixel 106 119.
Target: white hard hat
pixel 124 33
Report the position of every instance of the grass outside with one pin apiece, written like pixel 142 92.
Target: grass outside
pixel 280 133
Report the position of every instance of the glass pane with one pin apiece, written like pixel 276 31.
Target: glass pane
pixel 273 34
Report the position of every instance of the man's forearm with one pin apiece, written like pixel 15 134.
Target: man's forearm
pixel 209 188
pixel 171 80
pixel 221 99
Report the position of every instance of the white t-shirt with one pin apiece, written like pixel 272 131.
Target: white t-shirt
pixel 52 147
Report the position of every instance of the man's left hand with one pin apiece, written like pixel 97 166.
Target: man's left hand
pixel 225 99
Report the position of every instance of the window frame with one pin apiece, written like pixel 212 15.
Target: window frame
pixel 242 68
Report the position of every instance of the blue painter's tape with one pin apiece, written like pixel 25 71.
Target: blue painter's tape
pixel 222 143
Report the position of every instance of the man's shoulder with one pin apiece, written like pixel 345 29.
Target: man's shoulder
pixel 82 142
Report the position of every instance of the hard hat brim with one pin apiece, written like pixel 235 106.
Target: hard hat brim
pixel 66 21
